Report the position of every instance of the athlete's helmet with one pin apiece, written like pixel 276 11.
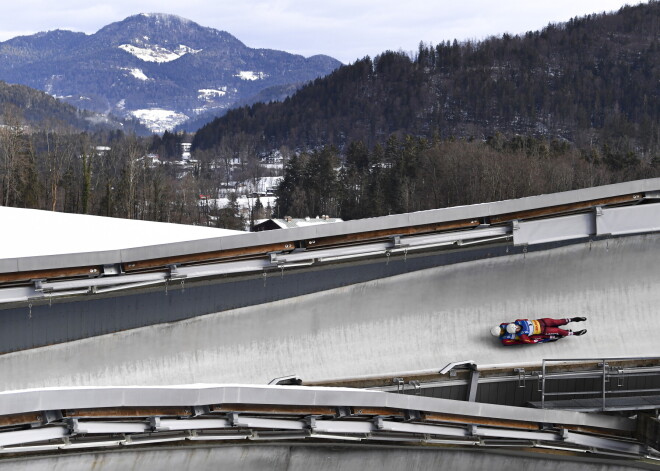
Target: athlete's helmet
pixel 512 328
pixel 496 331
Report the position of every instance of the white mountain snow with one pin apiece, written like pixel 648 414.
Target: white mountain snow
pixel 159 120
pixel 137 73
pixel 209 93
pixel 250 75
pixel 155 53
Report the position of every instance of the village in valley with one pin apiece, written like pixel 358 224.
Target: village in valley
pixel 249 195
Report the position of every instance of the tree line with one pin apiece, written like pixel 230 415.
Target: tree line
pixel 69 172
pixel 110 173
pixel 414 174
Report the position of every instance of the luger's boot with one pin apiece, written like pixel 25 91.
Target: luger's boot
pixel 578 319
pixel 580 332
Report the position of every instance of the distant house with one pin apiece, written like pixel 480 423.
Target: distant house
pixel 152 159
pixel 289 223
pixel 102 150
pixel 185 150
pixel 275 158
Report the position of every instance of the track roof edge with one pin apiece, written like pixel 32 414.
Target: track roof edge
pixel 251 239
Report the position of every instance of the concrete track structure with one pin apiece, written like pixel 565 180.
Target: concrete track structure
pixel 587 257
pixel 322 458
pixel 294 458
pixel 416 321
pixel 374 298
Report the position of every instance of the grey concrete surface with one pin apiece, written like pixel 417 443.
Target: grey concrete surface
pixel 65 320
pixel 302 458
pixel 416 321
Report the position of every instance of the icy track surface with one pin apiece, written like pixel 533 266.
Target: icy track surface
pixel 418 321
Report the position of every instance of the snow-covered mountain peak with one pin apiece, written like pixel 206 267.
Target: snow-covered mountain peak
pixel 166 18
pixel 158 29
pixel 160 21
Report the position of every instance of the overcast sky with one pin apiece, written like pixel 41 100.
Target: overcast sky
pixel 345 29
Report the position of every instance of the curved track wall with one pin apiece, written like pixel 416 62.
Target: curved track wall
pixel 322 458
pixel 414 321
pixel 45 323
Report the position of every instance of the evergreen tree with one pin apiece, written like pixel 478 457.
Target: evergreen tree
pixel 230 216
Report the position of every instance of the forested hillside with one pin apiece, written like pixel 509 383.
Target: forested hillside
pixel 102 173
pixel 35 108
pixel 413 174
pixel 591 81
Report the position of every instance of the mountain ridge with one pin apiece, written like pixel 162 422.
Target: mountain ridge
pixel 153 61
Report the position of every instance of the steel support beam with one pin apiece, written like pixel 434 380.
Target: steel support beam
pixel 473 384
pixel 33 435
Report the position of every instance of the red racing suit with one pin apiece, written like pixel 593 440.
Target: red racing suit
pixel 535 331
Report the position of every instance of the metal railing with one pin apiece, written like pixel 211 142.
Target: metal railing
pixel 606 370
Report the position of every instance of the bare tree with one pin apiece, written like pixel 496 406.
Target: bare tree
pixel 13 144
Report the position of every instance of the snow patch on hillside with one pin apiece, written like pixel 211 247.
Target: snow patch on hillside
pixel 155 53
pixel 159 120
pixel 250 75
pixel 204 109
pixel 209 93
pixel 137 73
